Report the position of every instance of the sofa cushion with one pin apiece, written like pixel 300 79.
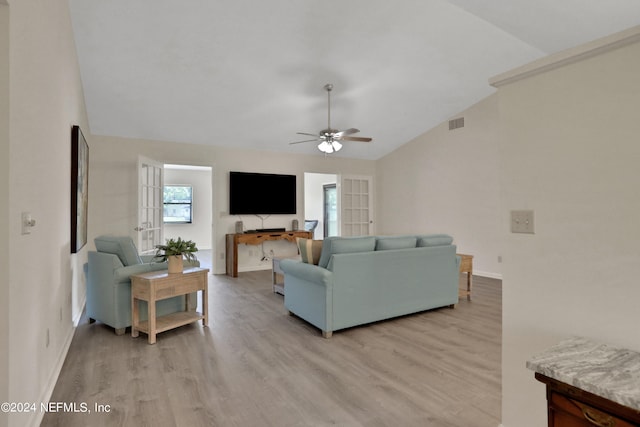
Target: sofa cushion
pixel 435 240
pixel 309 249
pixel 395 242
pixel 123 247
pixel 342 245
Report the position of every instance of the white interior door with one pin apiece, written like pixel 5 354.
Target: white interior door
pixel 356 205
pixel 150 204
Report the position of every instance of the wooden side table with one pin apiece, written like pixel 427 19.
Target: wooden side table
pixel 275 272
pixel 159 285
pixel 233 240
pixel 466 266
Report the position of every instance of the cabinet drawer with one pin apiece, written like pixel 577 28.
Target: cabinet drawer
pixel 566 412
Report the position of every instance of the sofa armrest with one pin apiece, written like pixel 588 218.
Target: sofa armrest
pixel 308 272
pixel 148 259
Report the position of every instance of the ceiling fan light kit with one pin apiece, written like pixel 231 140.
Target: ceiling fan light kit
pixel 329 138
pixel 329 147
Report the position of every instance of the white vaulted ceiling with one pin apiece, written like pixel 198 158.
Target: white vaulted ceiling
pixel 250 74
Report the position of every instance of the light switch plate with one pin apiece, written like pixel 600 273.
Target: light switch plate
pixel 26 222
pixel 522 222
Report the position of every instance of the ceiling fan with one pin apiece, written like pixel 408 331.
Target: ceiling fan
pixel 330 138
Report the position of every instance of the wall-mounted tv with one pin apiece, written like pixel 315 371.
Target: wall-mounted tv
pixel 261 194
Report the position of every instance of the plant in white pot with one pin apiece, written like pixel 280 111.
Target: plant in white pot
pixel 174 251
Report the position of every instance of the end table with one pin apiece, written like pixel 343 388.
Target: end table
pixel 159 285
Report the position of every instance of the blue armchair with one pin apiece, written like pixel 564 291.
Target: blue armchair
pixel 109 285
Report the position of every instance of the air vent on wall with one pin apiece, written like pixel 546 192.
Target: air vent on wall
pixel 456 123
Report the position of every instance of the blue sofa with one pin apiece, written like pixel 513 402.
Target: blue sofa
pixel 109 286
pixel 359 280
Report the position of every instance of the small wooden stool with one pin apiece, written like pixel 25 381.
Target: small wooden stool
pixel 466 266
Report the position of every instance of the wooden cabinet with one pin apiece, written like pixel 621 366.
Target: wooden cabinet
pixel 569 406
pixel 233 240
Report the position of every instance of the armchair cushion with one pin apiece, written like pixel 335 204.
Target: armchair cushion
pixel 122 246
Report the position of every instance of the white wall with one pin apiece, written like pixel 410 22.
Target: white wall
pixel 314 199
pixel 46 282
pixel 4 207
pixel 113 183
pixel 448 182
pixel 200 230
pixel 569 151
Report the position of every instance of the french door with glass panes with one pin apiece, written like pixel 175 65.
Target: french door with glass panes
pixel 150 205
pixel 356 197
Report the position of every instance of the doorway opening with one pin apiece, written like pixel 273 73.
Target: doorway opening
pixel 199 228
pixel 314 203
pixel 330 209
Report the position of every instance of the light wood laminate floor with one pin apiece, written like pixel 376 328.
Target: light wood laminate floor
pixel 257 366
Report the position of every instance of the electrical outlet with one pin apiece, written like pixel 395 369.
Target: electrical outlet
pixel 522 222
pixel 221 255
pixel 47 344
pixel 499 258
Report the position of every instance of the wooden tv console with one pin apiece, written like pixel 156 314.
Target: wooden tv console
pixel 233 240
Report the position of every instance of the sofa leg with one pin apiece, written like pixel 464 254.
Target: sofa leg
pixel 92 320
pixel 452 306
pixel 290 312
pixel 120 331
pixel 327 334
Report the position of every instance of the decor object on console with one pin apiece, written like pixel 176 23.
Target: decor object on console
pixel 310 225
pixel 173 251
pixel 330 138
pixel 109 286
pixel 360 280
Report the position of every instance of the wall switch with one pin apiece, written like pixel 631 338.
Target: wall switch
pixel 522 222
pixel 27 222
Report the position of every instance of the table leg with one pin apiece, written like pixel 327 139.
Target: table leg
pixel 135 317
pixel 205 305
pixel 151 305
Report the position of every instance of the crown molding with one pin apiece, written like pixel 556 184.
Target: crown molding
pixel 568 56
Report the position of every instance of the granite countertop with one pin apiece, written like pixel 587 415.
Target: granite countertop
pixel 604 370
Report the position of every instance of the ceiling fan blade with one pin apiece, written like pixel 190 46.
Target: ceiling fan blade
pixel 356 138
pixel 309 134
pixel 346 132
pixel 300 142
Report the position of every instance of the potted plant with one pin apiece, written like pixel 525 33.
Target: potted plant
pixel 174 251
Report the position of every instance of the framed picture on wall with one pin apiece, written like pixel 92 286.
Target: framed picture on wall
pixel 79 189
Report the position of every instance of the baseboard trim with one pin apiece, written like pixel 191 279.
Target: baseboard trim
pixel 487 274
pixel 36 420
pixel 254 268
pixel 53 379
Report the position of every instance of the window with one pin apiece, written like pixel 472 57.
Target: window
pixel 178 201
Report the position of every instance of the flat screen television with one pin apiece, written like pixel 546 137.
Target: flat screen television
pixel 261 194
